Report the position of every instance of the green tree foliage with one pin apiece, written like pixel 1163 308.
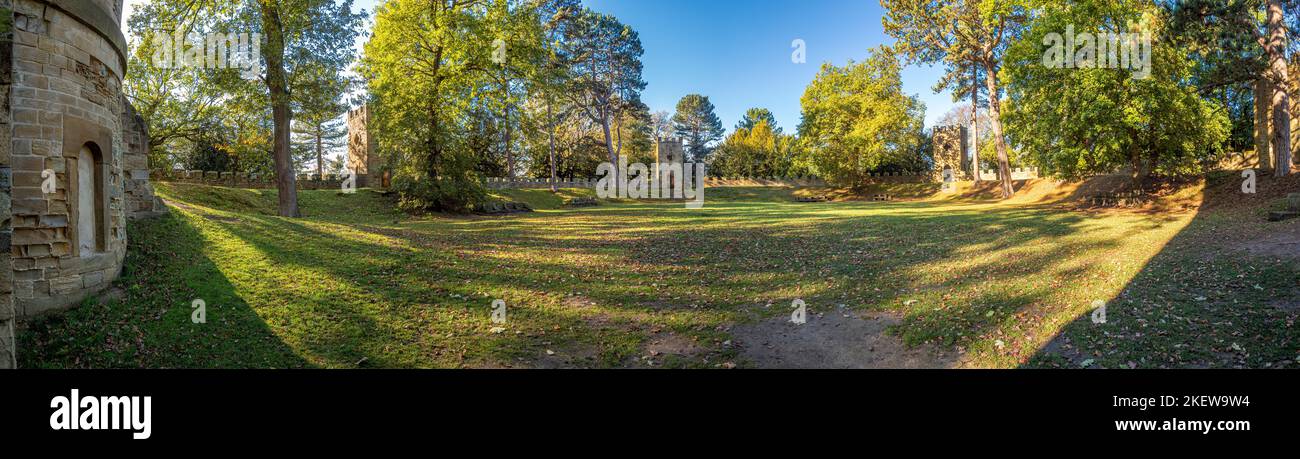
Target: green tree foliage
pixel 696 122
pixel 319 125
pixel 634 138
pixel 603 78
pixel 549 80
pixel 579 149
pixel 754 115
pixel 857 120
pixel 758 151
pixel 425 64
pixel 1240 48
pixel 466 90
pixel 522 66
pixel 300 42
pixel 175 102
pixel 961 34
pixel 1076 122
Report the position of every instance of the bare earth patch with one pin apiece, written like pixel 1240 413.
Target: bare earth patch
pixel 1282 242
pixel 672 344
pixel 836 339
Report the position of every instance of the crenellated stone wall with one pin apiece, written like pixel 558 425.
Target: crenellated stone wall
pixel 246 180
pixel 79 162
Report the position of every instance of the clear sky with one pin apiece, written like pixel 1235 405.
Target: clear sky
pixel 738 52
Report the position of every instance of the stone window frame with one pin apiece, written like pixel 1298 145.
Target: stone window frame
pixel 78 133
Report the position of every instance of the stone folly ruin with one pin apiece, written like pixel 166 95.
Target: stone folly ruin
pixel 74 167
pixel 363 157
pixel 669 150
pixel 951 158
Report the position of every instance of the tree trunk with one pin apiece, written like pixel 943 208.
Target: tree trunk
pixel 1135 162
pixel 435 149
pixel 609 147
pixel 975 123
pixel 550 133
pixel 320 163
pixel 618 131
pixel 995 118
pixel 277 84
pixel 510 155
pixel 1281 100
pixel 1263 149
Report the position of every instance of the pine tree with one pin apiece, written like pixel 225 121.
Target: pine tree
pixel 696 122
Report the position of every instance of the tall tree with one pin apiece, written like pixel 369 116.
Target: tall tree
pixel 696 122
pixel 522 33
pixel 176 102
pixel 549 78
pixel 296 35
pixel 754 115
pixel 661 125
pixel 320 132
pixel 857 120
pixel 320 107
pixel 425 63
pixel 1242 43
pixel 971 87
pixel 959 34
pixel 1277 52
pixel 604 57
pixel 302 41
pixel 1117 117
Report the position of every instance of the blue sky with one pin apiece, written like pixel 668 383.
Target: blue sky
pixel 738 52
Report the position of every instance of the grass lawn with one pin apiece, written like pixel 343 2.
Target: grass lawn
pixel 356 284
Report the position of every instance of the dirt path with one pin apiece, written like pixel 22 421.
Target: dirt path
pixel 835 339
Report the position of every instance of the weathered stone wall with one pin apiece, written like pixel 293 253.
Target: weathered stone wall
pixel 241 180
pixel 140 199
pixel 69 118
pixel 8 350
pixel 363 157
pixel 950 151
pixel 669 151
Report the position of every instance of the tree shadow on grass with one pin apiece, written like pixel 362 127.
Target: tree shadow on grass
pixel 753 255
pixel 596 283
pixel 151 325
pixel 390 305
pixel 1218 295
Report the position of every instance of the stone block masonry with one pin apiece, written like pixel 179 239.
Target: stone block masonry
pixel 363 151
pixel 64 113
pixel 8 314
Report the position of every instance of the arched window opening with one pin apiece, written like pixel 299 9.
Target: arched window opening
pixel 90 201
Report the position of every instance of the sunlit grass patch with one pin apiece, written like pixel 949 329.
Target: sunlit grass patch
pixel 356 284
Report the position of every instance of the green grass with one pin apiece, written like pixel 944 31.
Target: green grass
pixel 542 199
pixel 356 284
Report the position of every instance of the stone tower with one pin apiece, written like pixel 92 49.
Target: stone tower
pixel 669 150
pixel 950 153
pixel 75 163
pixel 363 157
